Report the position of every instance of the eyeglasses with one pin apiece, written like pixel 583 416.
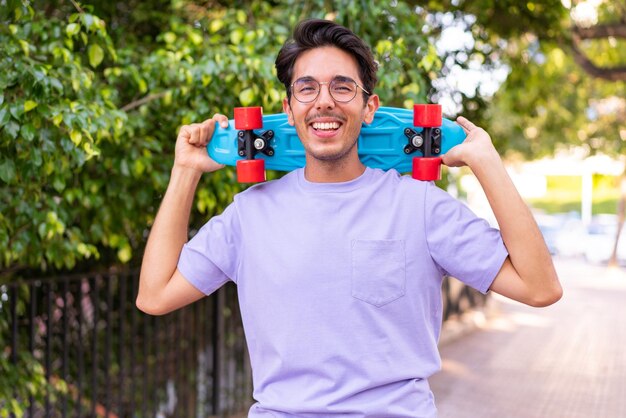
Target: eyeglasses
pixel 341 89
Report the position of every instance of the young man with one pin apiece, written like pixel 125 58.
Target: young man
pixel 339 266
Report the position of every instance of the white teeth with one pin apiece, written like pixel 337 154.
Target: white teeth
pixel 325 125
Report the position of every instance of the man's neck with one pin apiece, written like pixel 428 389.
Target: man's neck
pixel 339 171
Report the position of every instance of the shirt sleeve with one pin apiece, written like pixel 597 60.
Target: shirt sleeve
pixel 211 257
pixel 461 244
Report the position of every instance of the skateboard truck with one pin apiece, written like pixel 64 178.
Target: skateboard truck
pixel 428 141
pixel 249 144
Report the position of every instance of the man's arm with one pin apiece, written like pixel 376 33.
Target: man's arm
pixel 162 288
pixel 528 274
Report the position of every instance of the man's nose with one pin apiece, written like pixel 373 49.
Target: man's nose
pixel 324 98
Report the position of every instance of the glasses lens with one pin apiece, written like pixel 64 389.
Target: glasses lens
pixel 305 90
pixel 343 90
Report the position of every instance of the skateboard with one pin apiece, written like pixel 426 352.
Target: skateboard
pixel 403 139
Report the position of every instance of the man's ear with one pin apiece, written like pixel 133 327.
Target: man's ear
pixel 371 107
pixel 287 110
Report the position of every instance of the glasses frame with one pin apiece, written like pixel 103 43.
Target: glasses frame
pixel 328 83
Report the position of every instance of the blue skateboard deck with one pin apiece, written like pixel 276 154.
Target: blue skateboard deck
pixel 381 144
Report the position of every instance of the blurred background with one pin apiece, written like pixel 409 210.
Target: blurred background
pixel 92 94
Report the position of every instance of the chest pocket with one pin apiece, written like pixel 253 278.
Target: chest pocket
pixel 378 270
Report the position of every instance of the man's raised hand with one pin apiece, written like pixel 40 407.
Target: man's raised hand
pixel 191 145
pixel 476 149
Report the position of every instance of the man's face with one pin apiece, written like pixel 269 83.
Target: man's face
pixel 329 129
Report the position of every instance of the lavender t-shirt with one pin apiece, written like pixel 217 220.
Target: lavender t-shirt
pixel 340 288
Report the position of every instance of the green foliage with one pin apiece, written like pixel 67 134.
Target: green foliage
pixel 54 120
pixel 22 377
pixel 508 19
pixel 92 96
pixel 549 102
pixel 22 380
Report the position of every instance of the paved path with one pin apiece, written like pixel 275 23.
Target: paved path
pixel 567 360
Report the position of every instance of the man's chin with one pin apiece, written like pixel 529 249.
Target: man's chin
pixel 328 157
pixel 331 155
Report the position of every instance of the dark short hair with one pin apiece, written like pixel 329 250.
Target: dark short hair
pixel 315 33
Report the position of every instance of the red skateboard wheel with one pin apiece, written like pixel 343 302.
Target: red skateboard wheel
pixel 427 115
pixel 250 171
pixel 247 118
pixel 427 168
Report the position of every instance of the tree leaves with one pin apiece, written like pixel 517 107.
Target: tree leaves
pixel 29 105
pixel 72 29
pixel 76 137
pixel 247 97
pixel 548 102
pixel 91 100
pixel 12 129
pixel 5 116
pixel 46 137
pixel 96 55
pixel 7 171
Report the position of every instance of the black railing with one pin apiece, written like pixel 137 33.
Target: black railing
pixel 459 298
pixel 115 361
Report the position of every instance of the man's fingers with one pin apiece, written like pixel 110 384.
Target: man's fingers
pixel 205 133
pixel 199 134
pixel 195 134
pixel 221 119
pixel 185 132
pixel 465 124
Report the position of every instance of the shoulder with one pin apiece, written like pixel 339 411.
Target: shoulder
pixel 404 185
pixel 424 195
pixel 272 188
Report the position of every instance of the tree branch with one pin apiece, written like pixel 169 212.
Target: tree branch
pixel 134 104
pixel 617 30
pixel 611 74
pixel 8 272
pixel 77 6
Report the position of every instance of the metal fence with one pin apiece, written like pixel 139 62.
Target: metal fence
pixel 459 298
pixel 118 362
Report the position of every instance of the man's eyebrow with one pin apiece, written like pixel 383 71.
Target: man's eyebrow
pixel 305 78
pixel 337 77
pixel 343 78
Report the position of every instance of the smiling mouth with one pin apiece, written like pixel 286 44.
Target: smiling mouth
pixel 326 126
